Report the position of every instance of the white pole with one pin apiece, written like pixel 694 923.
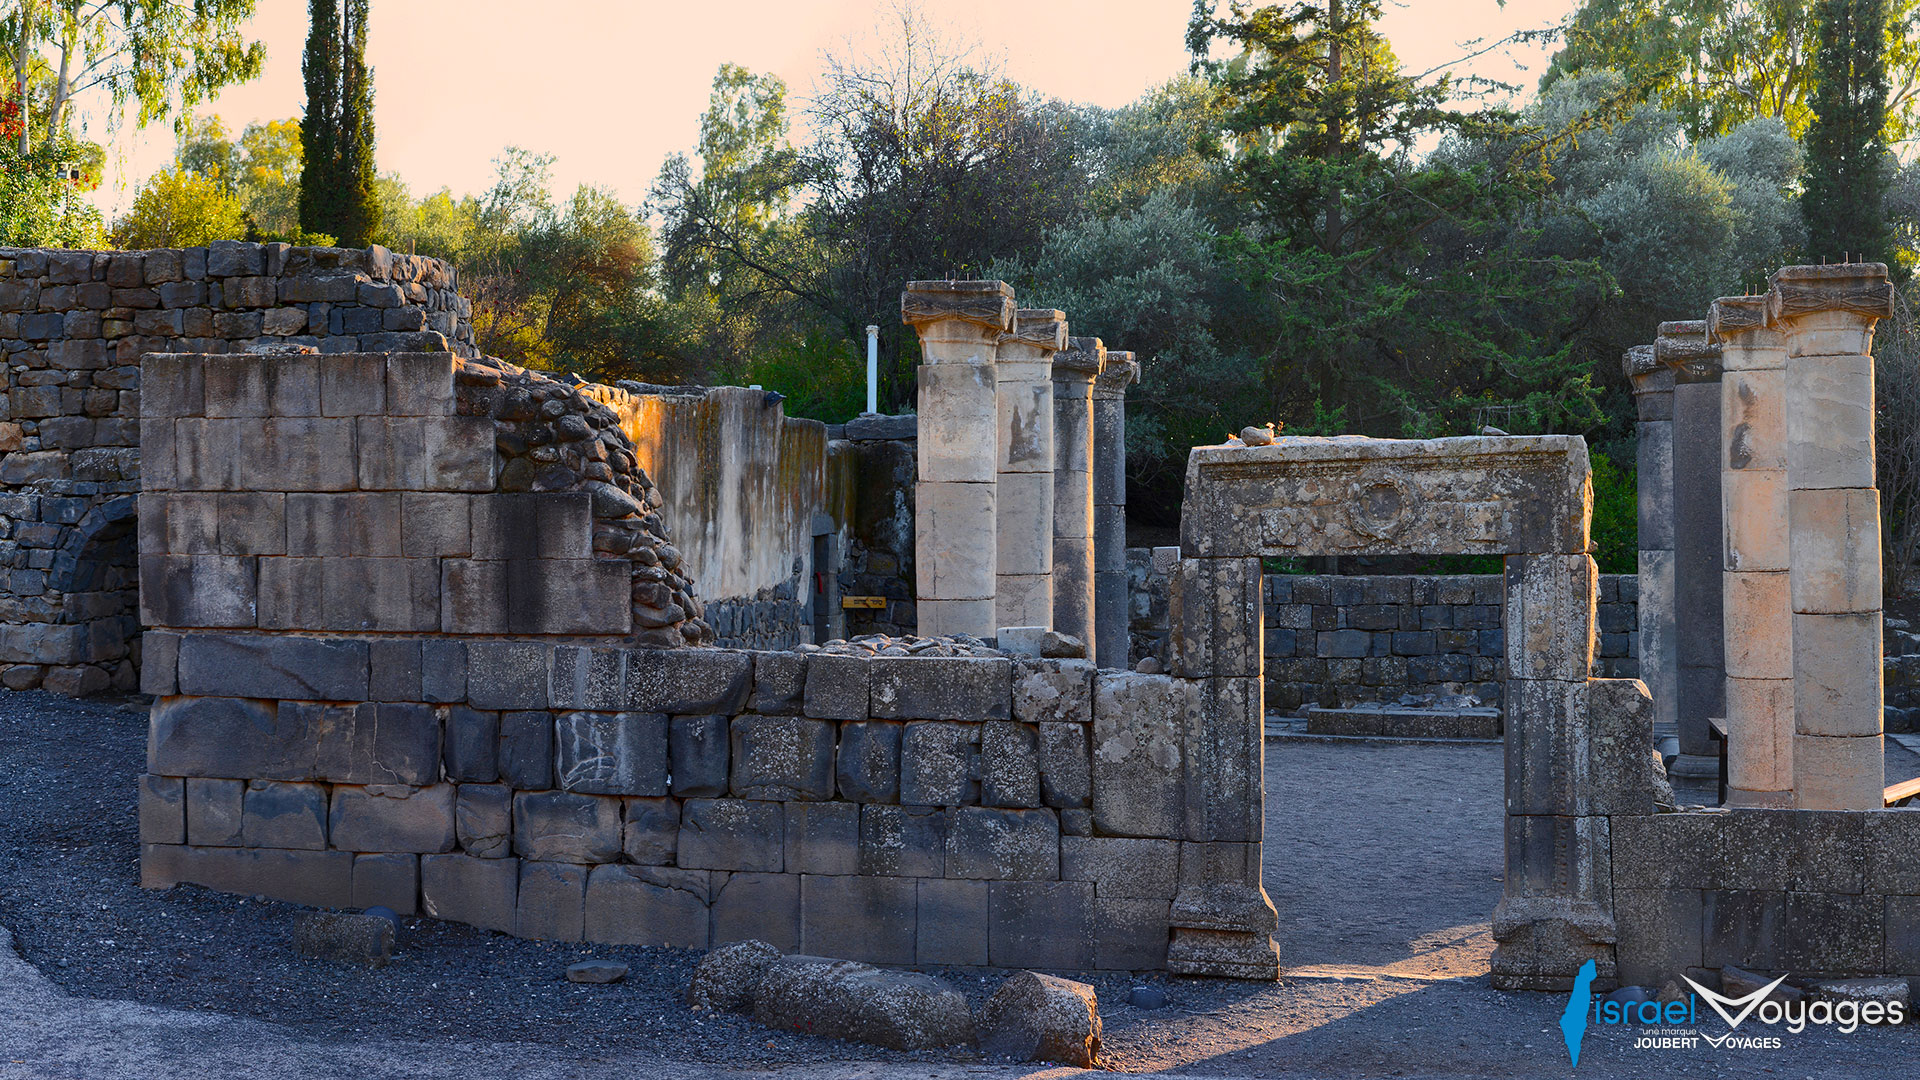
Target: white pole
pixel 873 369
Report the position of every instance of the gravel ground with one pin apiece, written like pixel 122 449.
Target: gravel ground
pixel 1383 860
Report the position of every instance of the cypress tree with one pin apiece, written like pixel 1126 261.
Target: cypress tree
pixel 320 128
pixel 359 200
pixel 1844 201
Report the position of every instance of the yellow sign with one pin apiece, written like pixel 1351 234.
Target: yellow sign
pixel 868 602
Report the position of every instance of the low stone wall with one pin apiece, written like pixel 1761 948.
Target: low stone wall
pixel 1342 640
pixel 912 810
pixel 74 325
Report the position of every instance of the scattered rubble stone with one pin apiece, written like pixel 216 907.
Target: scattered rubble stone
pixel 1035 1017
pixel 900 1010
pixel 597 972
pixel 906 645
pixel 344 938
pixel 729 976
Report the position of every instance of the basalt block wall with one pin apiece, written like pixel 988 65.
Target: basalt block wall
pixel 73 325
pixel 904 811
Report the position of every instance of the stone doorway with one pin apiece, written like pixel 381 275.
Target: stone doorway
pixel 1526 498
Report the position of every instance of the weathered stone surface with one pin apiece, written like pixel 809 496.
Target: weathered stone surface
pixel 728 978
pixel 551 902
pixel 596 972
pixel 1058 691
pixel 867 767
pixel 731 834
pixel 343 938
pixel 837 686
pixel 215 812
pixel 1139 788
pixel 1065 765
pixel 526 749
pixel 1003 845
pixel 903 841
pixel 648 905
pixel 952 925
pixel 237 665
pixel 1450 496
pixel 285 815
pixel 782 757
pixel 1214 616
pixel 1042 924
pixel 651 835
pixel 1121 867
pixel 1549 619
pixel 1131 935
pixel 387 879
pixel 844 1000
pixel 471 750
pixel 868 919
pixel 779 684
pixel 508 675
pixel 697 748
pixel 393 818
pixel 612 753
pixel 941 688
pixel 682 681
pixel 483 820
pixel 163 810
pixel 822 838
pixel 586 678
pixel 314 878
pixel 756 906
pixel 1009 764
pixel 369 744
pixel 1035 1017
pixel 558 826
pixel 939 764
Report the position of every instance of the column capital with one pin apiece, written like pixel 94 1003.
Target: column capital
pixel 1043 331
pixel 1083 357
pixel 1858 288
pixel 1684 347
pixel 985 304
pixel 1731 316
pixel 1646 373
pixel 1119 372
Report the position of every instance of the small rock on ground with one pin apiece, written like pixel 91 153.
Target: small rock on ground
pixel 596 971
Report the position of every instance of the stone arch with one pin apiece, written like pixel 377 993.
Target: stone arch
pixel 84 557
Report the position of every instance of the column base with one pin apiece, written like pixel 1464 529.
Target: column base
pixel 1541 942
pixel 1223 954
pixel 1695 765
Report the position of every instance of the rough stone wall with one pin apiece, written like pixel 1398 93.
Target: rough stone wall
pixel 913 810
pixel 1342 640
pixel 73 325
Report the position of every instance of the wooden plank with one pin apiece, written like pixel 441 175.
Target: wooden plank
pixel 1901 792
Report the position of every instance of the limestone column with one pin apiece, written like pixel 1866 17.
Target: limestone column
pixel 1074 369
pixel 1023 516
pixel 1827 315
pixel 1697 542
pixel 1652 384
pixel 1758 609
pixel 1110 508
pixel 959 323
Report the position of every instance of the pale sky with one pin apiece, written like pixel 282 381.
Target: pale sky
pixel 611 87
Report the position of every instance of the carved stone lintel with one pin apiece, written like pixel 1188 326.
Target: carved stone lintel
pixel 1639 361
pixel 988 304
pixel 1733 315
pixel 1041 328
pixel 1861 288
pixel 1083 356
pixel 1119 372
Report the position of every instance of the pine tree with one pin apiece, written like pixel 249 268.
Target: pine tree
pixel 1844 200
pixel 338 196
pixel 359 201
pixel 320 129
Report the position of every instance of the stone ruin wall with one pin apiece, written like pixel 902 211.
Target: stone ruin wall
pixel 73 325
pixel 393 662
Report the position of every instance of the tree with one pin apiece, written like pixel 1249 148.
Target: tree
pixel 1397 296
pixel 1844 202
pixel 179 208
pixel 338 190
pixel 163 56
pixel 42 201
pixel 1720 63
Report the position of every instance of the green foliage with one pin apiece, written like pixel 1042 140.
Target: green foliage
pixel 338 189
pixel 40 204
pixel 819 375
pixel 261 169
pixel 1616 531
pixel 1846 189
pixel 1720 63
pixel 178 208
